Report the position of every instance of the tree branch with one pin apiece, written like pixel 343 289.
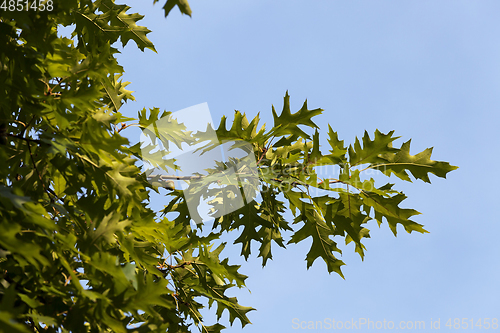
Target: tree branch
pixel 168 177
pixel 25 139
pixel 165 268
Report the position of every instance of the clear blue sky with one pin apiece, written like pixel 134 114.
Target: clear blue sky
pixel 430 70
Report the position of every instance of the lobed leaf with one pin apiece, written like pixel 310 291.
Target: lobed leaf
pixel 420 165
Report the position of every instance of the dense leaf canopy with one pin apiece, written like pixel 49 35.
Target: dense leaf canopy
pixel 80 251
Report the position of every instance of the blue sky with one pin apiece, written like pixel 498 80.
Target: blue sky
pixel 430 70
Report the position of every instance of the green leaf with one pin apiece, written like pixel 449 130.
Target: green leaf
pixel 388 207
pixel 107 228
pixel 128 27
pixel 287 122
pixel 152 293
pixel 75 204
pixel 372 149
pixel 235 310
pixel 337 154
pixel 27 250
pixel 33 303
pixel 114 23
pixel 241 129
pixel 130 273
pixel 46 320
pixel 344 218
pixel 13 198
pixel 217 328
pixel 338 150
pixel 116 92
pixel 419 165
pixel 183 6
pixel 10 325
pixel 113 172
pixel 322 246
pixel 220 269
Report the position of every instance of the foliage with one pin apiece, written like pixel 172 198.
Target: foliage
pixel 80 251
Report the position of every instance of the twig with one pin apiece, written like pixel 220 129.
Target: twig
pixel 20 122
pixel 264 152
pixel 124 126
pixel 294 184
pixel 168 177
pixel 168 268
pixel 25 139
pixel 331 181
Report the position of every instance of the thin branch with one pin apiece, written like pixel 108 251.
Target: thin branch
pixel 168 267
pixel 294 184
pixel 125 126
pixel 331 181
pixel 168 177
pixel 20 122
pixel 25 139
pixel 269 145
pixel 264 152
pixel 28 125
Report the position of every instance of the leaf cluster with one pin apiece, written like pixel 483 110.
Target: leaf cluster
pixel 291 167
pixel 80 249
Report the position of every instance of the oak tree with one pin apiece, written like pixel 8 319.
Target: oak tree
pixel 80 251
